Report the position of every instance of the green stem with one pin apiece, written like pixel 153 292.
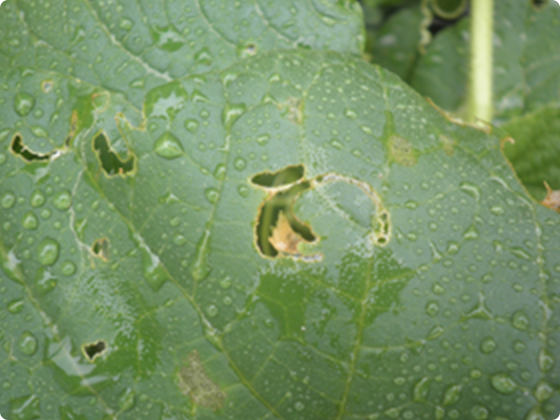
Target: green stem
pixel 480 95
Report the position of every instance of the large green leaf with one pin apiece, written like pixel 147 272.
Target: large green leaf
pixel 535 152
pixel 133 286
pixel 526 68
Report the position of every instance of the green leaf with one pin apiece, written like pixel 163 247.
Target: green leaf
pixel 536 151
pixel 396 44
pixel 526 62
pixel 139 291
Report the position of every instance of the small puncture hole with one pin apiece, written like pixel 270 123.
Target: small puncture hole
pixel 94 350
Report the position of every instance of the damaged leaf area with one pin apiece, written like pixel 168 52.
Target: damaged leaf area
pixel 195 383
pixel 413 278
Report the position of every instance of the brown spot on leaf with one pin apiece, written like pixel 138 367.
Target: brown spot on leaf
pixel 293 108
pixel 194 382
pixel 448 144
pixel 402 151
pixel 284 238
pixel 552 200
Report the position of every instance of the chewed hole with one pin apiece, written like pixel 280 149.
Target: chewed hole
pixel 18 148
pixel 539 3
pixel 281 178
pixel 111 163
pixel 94 350
pixel 100 248
pixel 251 49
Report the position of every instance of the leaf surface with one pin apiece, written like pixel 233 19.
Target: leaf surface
pixel 526 60
pixel 133 286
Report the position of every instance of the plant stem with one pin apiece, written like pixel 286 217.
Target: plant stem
pixel 480 95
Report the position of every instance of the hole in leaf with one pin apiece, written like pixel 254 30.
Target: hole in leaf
pixel 18 148
pixel 284 177
pixel 278 229
pixel 100 249
pixel 111 163
pixel 94 350
pixel 539 3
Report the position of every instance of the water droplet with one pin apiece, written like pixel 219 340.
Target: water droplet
pixel 432 308
pixel 203 56
pixel 435 332
pixel 8 200
pixel 263 139
pixel 30 221
pixel 63 200
pixel 28 343
pixel 299 406
pixel 220 171
pixel 212 311
pixel 546 361
pixel 519 347
pixel 25 408
pixel 543 391
pixel 470 189
pixel 520 321
pixel 503 383
pixel 337 144
pixel 488 345
pixel 239 163
pixel 200 269
pixel 47 251
pixel 350 113
pixel 227 301
pixel 15 306
pixel 212 195
pixel 438 289
pixel 44 281
pixel 452 395
pixel 479 412
pixel 68 268
pixel 126 24
pixel 179 240
pixel 37 198
pixel 126 400
pixel 497 210
pixel 154 272
pixel 191 125
pixel 225 283
pixel 411 204
pixel 45 213
pixel 421 389
pixel 231 113
pixel 24 103
pixel 199 97
pixel 399 380
pixel 168 146
pixel 243 190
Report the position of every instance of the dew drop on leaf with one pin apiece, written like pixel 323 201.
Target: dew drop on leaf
pixel 37 199
pixel 68 268
pixel 30 221
pixel 168 146
pixel 503 383
pixel 212 311
pixel 15 306
pixel 488 345
pixel 239 163
pixel 8 200
pixel 212 195
pixel 62 200
pixel 24 103
pixel 520 320
pixel 47 251
pixel 28 343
